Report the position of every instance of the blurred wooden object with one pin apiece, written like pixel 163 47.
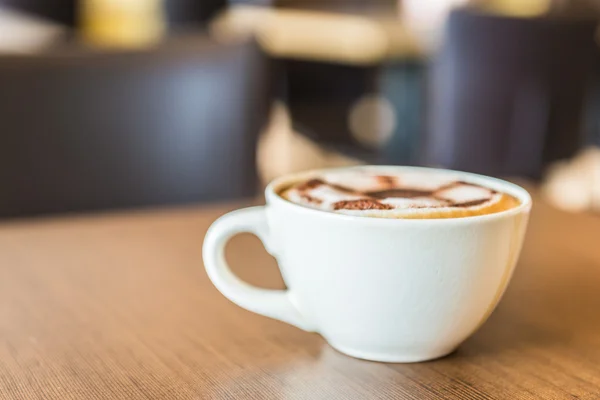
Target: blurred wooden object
pixel 119 306
pixel 118 130
pixel 324 34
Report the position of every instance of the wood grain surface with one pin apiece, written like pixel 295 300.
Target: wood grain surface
pixel 118 306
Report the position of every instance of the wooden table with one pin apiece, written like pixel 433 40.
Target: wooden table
pixel 118 307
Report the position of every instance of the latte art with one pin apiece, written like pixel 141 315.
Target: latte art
pixel 373 193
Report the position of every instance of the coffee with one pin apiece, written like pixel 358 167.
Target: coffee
pixel 372 192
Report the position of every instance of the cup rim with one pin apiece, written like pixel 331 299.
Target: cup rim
pixel 494 183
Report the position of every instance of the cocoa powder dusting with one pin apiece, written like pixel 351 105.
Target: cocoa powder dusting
pixel 405 193
pixel 362 204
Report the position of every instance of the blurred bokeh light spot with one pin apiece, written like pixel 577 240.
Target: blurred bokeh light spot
pixel 372 120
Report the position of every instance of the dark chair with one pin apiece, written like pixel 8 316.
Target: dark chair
pixel 507 94
pixel 103 131
pixel 190 13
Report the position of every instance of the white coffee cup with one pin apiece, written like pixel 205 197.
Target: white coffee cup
pixel 392 290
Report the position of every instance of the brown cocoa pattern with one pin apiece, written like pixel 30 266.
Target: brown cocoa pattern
pixel 311 199
pixel 387 180
pixel 362 204
pixel 310 184
pixel 403 193
pixel 371 198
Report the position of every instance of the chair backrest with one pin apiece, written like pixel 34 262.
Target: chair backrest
pixel 192 12
pixel 103 131
pixel 507 94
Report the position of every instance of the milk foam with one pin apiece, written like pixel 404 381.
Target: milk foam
pixel 375 193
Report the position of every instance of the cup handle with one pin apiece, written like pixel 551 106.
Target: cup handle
pixel 270 303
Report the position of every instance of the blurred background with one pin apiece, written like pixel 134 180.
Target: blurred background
pixel 119 104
